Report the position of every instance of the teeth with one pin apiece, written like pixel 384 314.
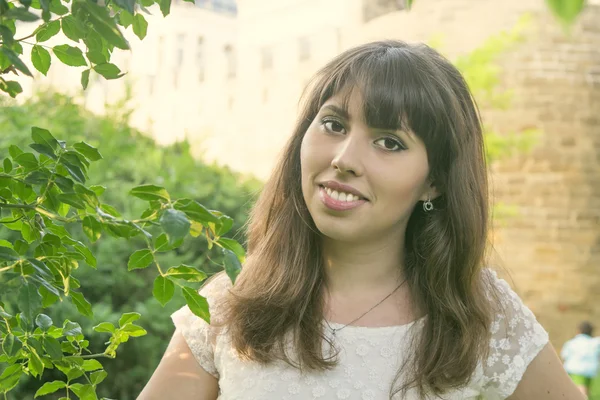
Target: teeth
pixel 341 196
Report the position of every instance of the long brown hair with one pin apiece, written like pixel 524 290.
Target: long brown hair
pixel 277 300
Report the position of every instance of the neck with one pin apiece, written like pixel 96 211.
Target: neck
pixel 368 267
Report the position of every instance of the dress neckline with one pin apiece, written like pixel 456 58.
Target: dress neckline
pixel 358 329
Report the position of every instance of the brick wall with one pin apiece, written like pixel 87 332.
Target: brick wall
pixel 552 246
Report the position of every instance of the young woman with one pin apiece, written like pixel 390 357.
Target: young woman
pixel 364 275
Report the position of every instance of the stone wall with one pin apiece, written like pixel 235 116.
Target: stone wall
pixel 552 245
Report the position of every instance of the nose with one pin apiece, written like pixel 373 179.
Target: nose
pixel 348 156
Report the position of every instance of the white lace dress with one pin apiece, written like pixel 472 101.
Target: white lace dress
pixel 368 361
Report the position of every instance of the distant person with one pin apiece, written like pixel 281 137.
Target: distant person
pixel 582 357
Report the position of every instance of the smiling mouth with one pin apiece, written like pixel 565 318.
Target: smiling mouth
pixel 341 196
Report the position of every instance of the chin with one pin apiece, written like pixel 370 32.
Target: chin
pixel 339 232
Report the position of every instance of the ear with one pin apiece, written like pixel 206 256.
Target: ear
pixel 430 192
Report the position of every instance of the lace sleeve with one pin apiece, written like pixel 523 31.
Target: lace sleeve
pixel 199 335
pixel 516 340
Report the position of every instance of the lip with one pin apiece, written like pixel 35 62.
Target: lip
pixel 340 187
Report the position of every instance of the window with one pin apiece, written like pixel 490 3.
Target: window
pixel 200 57
pixel 159 52
pixel 266 57
pixel 180 47
pixel 230 60
pixel 304 49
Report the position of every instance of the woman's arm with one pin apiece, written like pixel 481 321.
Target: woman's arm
pixel 546 379
pixel 179 376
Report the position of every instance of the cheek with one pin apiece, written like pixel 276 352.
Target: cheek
pixel 407 181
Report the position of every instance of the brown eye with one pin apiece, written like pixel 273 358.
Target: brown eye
pixel 390 144
pixel 333 125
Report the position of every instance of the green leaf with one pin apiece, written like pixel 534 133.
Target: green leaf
pixel 566 10
pixel 128 318
pixel 195 211
pixel 35 365
pixel 29 300
pixel 108 71
pixel 175 223
pixel 47 31
pixel 99 189
pixel 91 365
pixel 7 35
pixel 53 348
pixel 92 228
pixel 69 55
pixel 71 199
pixel 15 60
pixel 134 330
pixel 87 195
pixel 11 87
pixel 21 14
pixel 71 328
pixel 41 59
pixel 48 297
pixel 84 392
pixel 87 150
pixel 27 160
pixel 97 377
pixel 72 28
pixel 197 304
pixel 140 259
pixel 163 289
pixel 234 246
pixel 126 5
pixel 125 18
pixel 74 372
pixel 105 327
pixel 187 273
pixel 150 192
pixel 408 4
pixel 11 345
pixel 43 321
pixel 95 56
pixel 87 254
pixel 8 254
pixel 165 7
pixel 4 314
pixel 7 165
pixel 140 26
pixel 232 265
pixel 58 8
pixel 83 306
pixel 102 23
pixel 85 78
pixel 50 387
pixel 224 225
pixel 162 243
pixel 10 377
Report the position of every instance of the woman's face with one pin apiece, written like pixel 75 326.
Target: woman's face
pixel 361 183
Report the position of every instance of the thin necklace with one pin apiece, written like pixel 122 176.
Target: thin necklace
pixel 335 330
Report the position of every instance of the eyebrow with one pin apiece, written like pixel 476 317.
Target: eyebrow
pixel 338 110
pixel 342 112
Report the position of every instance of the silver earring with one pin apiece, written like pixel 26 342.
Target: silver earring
pixel 427 205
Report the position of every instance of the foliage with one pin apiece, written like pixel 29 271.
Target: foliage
pixel 134 159
pixel 483 75
pixel 566 11
pixel 91 28
pixel 45 195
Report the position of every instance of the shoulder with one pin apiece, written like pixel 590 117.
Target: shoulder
pixel 516 337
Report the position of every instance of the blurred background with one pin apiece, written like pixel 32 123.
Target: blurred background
pixel 211 95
